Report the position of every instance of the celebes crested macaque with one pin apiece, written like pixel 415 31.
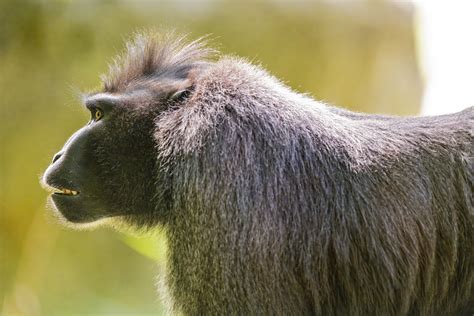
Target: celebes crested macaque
pixel 272 202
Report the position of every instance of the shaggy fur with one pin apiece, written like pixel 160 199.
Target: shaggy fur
pixel 151 59
pixel 275 203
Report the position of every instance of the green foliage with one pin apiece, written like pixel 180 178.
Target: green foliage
pixel 153 247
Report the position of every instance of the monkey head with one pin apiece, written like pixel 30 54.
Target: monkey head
pixel 109 167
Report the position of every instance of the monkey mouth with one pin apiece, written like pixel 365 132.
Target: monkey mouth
pixel 57 189
pixel 62 191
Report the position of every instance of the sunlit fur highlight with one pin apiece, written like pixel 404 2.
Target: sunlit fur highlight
pixel 153 57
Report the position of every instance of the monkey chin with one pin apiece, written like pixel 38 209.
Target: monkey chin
pixel 73 222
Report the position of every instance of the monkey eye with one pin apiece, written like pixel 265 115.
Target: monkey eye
pixel 97 114
pixel 98 106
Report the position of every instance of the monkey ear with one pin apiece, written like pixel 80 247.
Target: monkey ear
pixel 179 95
pixel 182 89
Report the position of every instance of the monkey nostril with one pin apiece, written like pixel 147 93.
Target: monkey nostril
pixel 56 157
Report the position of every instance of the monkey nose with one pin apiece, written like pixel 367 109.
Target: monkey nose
pixel 56 157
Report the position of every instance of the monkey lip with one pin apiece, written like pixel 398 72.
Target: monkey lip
pixel 57 189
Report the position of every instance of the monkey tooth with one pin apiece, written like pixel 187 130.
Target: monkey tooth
pixel 64 191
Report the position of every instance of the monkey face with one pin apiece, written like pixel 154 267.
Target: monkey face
pixel 107 168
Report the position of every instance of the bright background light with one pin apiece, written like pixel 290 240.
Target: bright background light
pixel 445 32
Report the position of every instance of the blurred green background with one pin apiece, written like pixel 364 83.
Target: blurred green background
pixel 357 54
